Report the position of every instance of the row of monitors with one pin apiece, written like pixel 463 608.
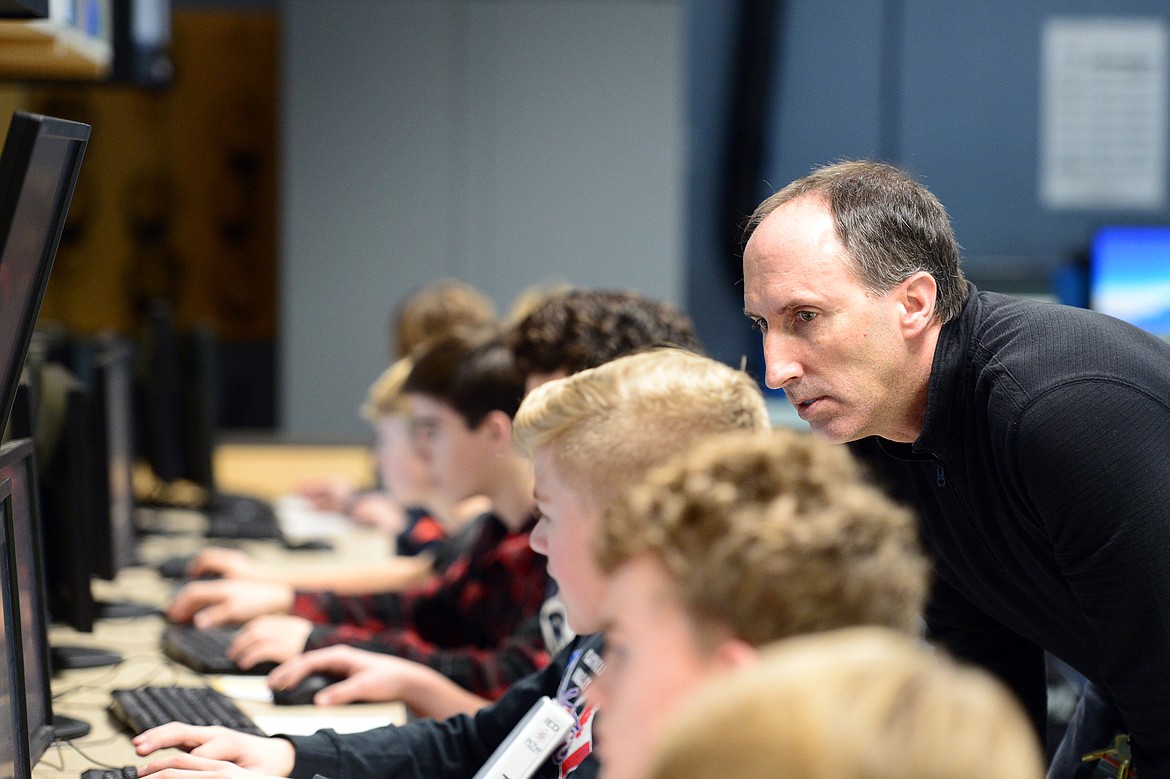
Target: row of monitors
pixel 83 438
pixel 63 522
pixel 39 166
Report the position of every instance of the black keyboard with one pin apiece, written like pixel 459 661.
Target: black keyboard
pixel 205 650
pixel 125 772
pixel 148 707
pixel 241 516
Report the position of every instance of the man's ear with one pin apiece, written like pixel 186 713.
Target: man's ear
pixel 918 295
pixel 733 653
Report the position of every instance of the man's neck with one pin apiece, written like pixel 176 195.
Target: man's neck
pixel 909 426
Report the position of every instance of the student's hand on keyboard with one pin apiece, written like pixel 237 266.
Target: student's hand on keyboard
pixel 228 563
pixel 370 677
pixel 214 749
pixel 227 601
pixel 187 767
pixel 270 638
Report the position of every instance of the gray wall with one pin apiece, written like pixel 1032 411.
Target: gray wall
pixel 512 143
pixel 506 143
pixel 961 112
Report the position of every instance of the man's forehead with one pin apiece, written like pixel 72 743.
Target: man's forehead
pixel 795 256
pixel 805 221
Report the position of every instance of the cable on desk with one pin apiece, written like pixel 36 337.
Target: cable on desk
pixel 166 669
pixel 90 758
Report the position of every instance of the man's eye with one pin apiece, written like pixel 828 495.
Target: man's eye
pixel 806 316
pixel 760 324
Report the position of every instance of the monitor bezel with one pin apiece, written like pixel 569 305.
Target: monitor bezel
pixel 26 133
pixel 22 762
pixel 20 453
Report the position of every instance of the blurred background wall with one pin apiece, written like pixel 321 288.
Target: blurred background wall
pixel 312 162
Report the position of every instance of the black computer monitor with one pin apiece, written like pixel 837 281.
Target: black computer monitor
pixel 159 422
pixel 22 522
pixel 111 387
pixel 17 467
pixel 80 539
pixel 38 170
pixel 15 762
pixel 199 379
pixel 179 397
pixel 1129 275
pixel 66 498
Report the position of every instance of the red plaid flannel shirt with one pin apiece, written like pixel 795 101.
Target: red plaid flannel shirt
pixel 478 622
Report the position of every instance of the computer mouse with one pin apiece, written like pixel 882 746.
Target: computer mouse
pixel 175 567
pixel 302 694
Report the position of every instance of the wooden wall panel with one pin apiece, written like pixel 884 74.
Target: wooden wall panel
pixel 177 196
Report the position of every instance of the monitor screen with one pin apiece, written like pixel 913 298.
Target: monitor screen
pixel 14 759
pixel 18 468
pixel 1129 276
pixel 38 170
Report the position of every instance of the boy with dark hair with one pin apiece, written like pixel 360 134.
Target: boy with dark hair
pixel 579 328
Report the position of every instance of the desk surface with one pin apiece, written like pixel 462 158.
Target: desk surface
pixel 272 470
pixel 85 693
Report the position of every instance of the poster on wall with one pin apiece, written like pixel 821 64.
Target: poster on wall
pixel 1103 113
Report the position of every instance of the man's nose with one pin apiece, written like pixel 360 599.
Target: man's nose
pixel 781 363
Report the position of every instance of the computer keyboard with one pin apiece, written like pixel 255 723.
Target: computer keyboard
pixel 148 707
pixel 125 772
pixel 205 650
pixel 241 516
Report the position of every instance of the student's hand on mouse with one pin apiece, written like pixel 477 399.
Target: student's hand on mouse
pixel 272 637
pixel 206 746
pixel 369 676
pixel 380 511
pixel 225 601
pixel 228 563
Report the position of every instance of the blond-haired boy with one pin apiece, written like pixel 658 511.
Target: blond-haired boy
pixel 856 703
pixel 420 518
